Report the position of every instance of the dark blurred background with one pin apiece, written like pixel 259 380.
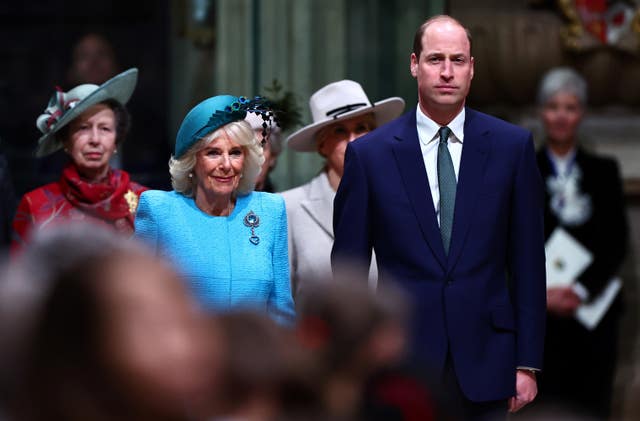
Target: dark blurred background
pixel 36 54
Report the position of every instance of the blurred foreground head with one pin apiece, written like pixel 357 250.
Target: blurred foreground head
pixel 353 326
pixel 266 374
pixel 92 327
pixel 353 332
pixel 359 337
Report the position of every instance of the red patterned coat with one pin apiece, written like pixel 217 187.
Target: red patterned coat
pixel 112 203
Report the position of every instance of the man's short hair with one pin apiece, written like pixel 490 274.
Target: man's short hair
pixel 417 39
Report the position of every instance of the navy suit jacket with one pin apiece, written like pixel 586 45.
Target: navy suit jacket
pixel 484 303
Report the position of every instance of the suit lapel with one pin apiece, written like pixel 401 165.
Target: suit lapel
pixel 472 163
pixel 319 203
pixel 408 155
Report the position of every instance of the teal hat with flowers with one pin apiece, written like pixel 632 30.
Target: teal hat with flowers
pixel 213 113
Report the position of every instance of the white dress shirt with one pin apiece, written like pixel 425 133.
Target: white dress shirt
pixel 429 139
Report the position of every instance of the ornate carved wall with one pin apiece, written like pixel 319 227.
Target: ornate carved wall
pixel 513 49
pixel 514 44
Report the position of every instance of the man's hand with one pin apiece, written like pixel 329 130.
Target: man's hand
pixel 562 301
pixel 526 390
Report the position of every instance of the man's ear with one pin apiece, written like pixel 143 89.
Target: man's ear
pixel 413 66
pixel 472 67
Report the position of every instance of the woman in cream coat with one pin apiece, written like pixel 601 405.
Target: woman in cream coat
pixel 341 113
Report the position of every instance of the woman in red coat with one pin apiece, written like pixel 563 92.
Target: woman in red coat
pixel 89 122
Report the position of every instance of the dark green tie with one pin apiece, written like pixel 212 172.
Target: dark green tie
pixel 447 186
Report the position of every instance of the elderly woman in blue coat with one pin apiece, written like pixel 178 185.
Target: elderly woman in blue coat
pixel 228 241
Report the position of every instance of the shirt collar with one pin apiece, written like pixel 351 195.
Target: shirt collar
pixel 562 164
pixel 428 129
pixel 569 156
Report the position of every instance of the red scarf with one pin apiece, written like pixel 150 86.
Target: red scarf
pixel 104 200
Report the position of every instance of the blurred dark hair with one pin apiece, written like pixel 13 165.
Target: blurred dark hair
pixel 63 372
pixel 264 362
pixel 338 317
pixel 50 327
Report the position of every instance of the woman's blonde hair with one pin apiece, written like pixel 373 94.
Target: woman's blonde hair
pixel 181 170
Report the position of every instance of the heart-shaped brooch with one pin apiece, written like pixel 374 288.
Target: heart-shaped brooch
pixel 252 221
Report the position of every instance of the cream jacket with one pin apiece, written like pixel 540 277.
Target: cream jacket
pixel 310 223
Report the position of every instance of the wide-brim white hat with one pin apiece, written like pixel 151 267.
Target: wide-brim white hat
pixel 63 107
pixel 339 101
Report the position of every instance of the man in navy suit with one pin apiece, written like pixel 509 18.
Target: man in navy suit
pixel 468 248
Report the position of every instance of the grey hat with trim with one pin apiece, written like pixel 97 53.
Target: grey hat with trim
pixel 339 101
pixel 64 107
